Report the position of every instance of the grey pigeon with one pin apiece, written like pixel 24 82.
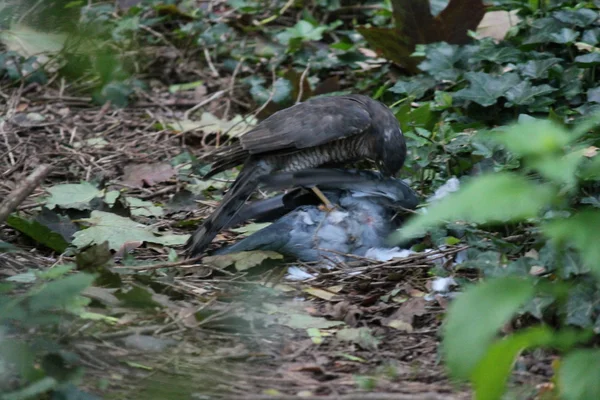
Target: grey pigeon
pixel 367 203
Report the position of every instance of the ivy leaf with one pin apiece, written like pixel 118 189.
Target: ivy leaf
pixel 542 29
pixel 498 197
pixel 581 18
pixel 593 95
pixel 581 231
pixel 588 60
pixel 537 69
pixel 564 36
pixel 486 89
pixel 591 36
pixel 497 54
pixel 442 61
pixel 415 87
pixel 525 94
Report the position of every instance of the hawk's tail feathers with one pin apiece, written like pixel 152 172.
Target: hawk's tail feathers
pixel 232 202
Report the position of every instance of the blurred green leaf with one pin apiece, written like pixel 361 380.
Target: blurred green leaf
pixel 579 230
pixel 497 197
pixel 533 138
pixel 470 326
pixel 38 232
pixel 579 375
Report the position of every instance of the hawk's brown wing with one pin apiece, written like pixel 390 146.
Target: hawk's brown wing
pixel 309 124
pixel 314 122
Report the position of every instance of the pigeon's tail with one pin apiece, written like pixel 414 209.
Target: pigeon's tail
pixel 234 199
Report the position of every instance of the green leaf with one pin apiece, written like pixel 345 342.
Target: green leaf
pixel 581 231
pixel 591 36
pixel 60 293
pixel 415 87
pixel 442 61
pixel 243 260
pixel 534 138
pixel 137 297
pixel 465 343
pixel 117 231
pixel 491 374
pixel 593 95
pixel 582 17
pixel 579 375
pixel 497 54
pixel 181 87
pixel 499 197
pixel 38 232
pixel 561 170
pixel 486 89
pixel 589 59
pixel 538 69
pixel 72 195
pixel 525 94
pixel 541 29
pixel 564 36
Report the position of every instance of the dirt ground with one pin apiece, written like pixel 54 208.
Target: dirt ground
pixel 254 334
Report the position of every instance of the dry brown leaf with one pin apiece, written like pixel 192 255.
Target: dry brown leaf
pixel 138 175
pixel 495 24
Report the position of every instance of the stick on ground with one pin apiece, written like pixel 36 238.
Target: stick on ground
pixel 21 192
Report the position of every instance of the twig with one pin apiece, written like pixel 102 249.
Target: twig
pixel 17 196
pixel 190 261
pixel 204 102
pixel 276 15
pixel 301 86
pixel 214 71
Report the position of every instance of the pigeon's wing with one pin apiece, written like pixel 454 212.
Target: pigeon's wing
pixel 359 183
pixel 290 235
pixel 312 123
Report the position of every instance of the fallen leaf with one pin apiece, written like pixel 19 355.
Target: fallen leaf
pixel 72 195
pixel 590 152
pixel 243 260
pixel 250 228
pixel 117 231
pixel 29 42
pixel 210 123
pixel 320 293
pixel 360 336
pixel 414 24
pixel 402 318
pixel 140 175
pixel 495 24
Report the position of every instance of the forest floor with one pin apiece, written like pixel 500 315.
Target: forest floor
pixel 369 330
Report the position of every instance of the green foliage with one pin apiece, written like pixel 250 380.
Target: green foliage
pixel 470 349
pixel 39 303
